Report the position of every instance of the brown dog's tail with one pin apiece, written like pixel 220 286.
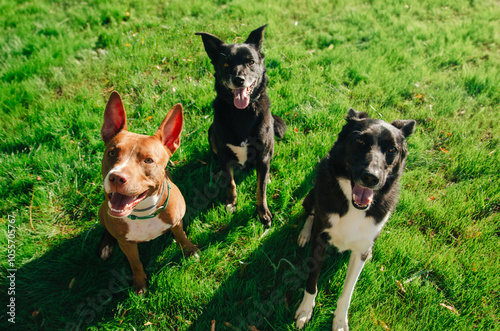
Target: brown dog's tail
pixel 279 127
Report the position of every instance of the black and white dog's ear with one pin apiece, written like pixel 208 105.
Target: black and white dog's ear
pixel 256 37
pixel 213 45
pixel 354 115
pixel 406 126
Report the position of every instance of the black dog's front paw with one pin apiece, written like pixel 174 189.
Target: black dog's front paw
pixel 265 216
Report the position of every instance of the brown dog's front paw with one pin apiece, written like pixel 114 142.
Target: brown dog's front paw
pixel 265 216
pixel 105 252
pixel 140 286
pixel 230 208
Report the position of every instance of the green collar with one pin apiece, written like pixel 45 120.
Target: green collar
pixel 133 217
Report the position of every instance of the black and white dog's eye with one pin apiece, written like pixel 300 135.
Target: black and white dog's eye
pixel 360 141
pixel 393 150
pixel 251 62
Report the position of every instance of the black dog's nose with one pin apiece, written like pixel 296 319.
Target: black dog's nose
pixel 238 80
pixel 369 179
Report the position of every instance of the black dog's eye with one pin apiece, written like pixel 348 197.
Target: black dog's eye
pixel 226 64
pixel 112 153
pixel 393 150
pixel 360 141
pixel 148 160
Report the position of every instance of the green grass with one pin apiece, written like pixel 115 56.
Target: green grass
pixel 437 62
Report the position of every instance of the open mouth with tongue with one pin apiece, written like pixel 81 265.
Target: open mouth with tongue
pixel 242 96
pixel 361 197
pixel 121 205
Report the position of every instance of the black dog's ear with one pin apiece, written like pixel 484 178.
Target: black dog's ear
pixel 212 44
pixel 354 115
pixel 256 36
pixel 406 126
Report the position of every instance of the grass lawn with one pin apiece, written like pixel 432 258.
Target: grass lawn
pixel 436 265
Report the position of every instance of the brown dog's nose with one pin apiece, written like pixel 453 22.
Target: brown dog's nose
pixel 117 179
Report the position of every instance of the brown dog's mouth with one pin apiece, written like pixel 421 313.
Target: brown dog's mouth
pixel 242 96
pixel 361 197
pixel 121 205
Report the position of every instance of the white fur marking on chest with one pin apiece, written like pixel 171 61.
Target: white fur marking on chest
pixel 240 152
pixel 145 230
pixel 353 231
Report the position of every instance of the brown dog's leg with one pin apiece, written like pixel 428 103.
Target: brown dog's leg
pixel 106 245
pixel 182 239
pixel 262 178
pixel 132 253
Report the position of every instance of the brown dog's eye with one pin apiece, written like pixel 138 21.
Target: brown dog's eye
pixel 112 153
pixel 148 160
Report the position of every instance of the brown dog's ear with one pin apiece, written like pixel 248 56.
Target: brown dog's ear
pixel 406 126
pixel 170 129
pixel 256 37
pixel 212 45
pixel 115 119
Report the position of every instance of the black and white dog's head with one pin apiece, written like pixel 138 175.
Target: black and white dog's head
pixel 240 74
pixel 375 153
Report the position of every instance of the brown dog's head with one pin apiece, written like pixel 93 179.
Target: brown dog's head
pixel 133 165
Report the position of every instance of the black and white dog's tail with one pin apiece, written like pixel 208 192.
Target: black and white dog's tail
pixel 279 127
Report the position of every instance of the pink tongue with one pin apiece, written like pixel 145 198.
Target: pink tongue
pixel 119 201
pixel 362 196
pixel 241 100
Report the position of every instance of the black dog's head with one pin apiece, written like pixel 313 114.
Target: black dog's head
pixel 240 74
pixel 375 153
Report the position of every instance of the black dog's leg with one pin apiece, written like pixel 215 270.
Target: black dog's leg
pixel 318 249
pixel 106 245
pixel 211 140
pixel 227 174
pixel 262 178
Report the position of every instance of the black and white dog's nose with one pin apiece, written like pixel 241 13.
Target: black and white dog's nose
pixel 369 180
pixel 238 80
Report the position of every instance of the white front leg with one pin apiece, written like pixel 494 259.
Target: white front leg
pixel 304 312
pixel 356 264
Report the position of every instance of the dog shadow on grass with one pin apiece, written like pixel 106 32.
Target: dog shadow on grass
pixel 265 290
pixel 70 288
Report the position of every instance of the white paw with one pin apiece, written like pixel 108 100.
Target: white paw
pixel 106 252
pixel 304 312
pixel 304 237
pixel 340 324
pixel 305 234
pixel 230 208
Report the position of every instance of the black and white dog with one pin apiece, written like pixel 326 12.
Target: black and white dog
pixel 356 190
pixel 243 128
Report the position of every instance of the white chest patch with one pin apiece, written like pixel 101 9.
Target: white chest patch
pixel 353 231
pixel 240 152
pixel 145 230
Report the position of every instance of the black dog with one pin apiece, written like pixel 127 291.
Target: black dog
pixel 243 128
pixel 355 192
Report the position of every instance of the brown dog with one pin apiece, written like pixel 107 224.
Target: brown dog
pixel 141 200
